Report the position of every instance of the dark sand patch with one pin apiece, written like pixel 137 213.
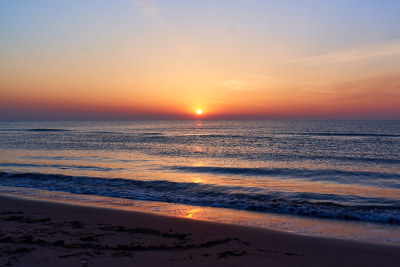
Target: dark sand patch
pixel 36 233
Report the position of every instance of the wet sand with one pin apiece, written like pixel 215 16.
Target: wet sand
pixel 38 233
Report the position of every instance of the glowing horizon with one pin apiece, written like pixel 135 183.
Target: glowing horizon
pixel 164 59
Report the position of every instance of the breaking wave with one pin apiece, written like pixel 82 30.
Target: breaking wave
pixel 346 207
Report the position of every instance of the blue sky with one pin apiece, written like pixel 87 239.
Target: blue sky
pixel 237 57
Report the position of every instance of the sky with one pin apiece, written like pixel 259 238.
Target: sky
pixel 233 59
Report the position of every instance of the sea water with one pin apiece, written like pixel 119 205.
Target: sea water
pixel 271 173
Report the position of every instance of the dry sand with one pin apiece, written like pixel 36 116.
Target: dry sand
pixel 38 233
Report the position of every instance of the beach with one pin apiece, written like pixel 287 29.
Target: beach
pixel 39 233
pixel 199 133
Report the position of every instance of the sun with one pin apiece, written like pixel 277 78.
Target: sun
pixel 199 112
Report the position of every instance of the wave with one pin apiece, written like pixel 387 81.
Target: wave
pixel 232 136
pixel 275 134
pixel 281 171
pixel 272 135
pixel 363 158
pixel 36 130
pixel 347 134
pixel 150 133
pixel 333 206
pixel 58 166
pixel 48 130
pixel 338 176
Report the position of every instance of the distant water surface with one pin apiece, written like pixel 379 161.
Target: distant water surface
pixel 338 170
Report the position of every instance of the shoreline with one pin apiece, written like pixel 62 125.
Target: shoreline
pixel 317 227
pixel 42 233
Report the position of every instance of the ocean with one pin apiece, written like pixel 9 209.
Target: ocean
pixel 272 173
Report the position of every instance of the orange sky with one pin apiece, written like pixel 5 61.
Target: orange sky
pixel 155 59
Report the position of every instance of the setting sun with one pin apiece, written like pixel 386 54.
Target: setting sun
pixel 280 115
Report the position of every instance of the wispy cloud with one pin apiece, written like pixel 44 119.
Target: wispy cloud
pixel 237 85
pixel 385 87
pixel 371 51
pixel 371 91
pixel 249 82
pixel 150 8
pixel 218 102
pixel 188 50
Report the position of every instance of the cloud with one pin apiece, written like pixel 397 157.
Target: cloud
pixel 237 85
pixel 385 88
pixel 218 102
pixel 379 92
pixel 188 50
pixel 150 8
pixel 249 82
pixel 371 51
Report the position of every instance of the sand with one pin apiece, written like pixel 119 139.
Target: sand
pixel 38 233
